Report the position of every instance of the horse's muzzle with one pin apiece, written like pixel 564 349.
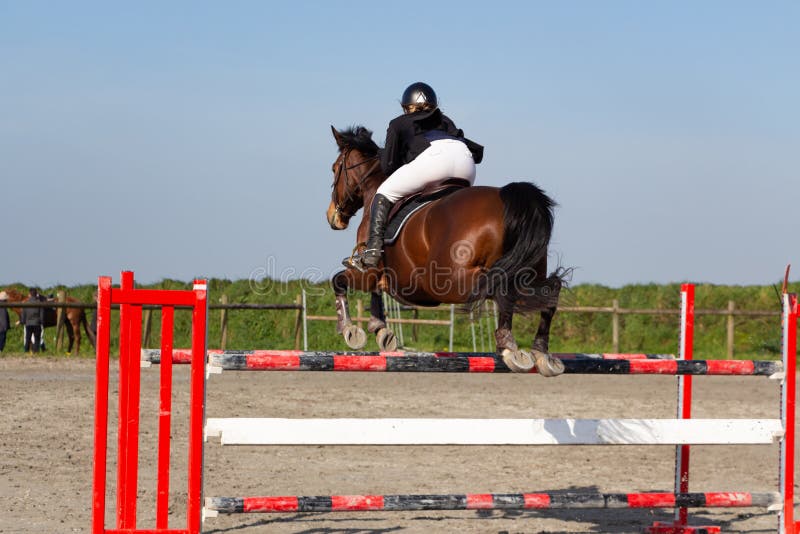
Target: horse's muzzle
pixel 335 219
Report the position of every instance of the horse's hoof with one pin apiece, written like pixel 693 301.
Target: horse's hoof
pixel 519 361
pixel 386 339
pixel 547 365
pixel 355 337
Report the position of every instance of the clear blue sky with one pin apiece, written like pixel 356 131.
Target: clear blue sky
pixel 183 139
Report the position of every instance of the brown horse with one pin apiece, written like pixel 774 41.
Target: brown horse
pixel 476 243
pixel 72 318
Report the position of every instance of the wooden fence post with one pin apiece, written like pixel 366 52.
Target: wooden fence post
pixel 472 329
pixel 731 307
pixel 487 312
pixel 61 297
pixel 615 326
pixel 298 321
pixel 452 326
pixel 148 316
pixel 223 323
pixel 414 326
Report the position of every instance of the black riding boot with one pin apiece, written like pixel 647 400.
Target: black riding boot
pixel 378 217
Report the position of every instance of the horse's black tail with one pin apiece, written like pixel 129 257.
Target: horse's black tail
pixel 528 218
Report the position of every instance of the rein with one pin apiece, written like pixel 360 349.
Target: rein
pixel 343 168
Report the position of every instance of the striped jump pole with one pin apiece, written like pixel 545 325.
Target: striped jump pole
pixel 182 356
pixel 486 501
pixel 422 362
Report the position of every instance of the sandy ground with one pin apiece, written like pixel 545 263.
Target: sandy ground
pixel 46 443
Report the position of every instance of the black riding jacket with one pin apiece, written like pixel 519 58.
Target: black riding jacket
pixel 405 138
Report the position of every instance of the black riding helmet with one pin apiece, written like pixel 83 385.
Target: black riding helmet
pixel 419 93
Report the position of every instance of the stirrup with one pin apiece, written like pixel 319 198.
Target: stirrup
pixel 356 259
pixel 354 262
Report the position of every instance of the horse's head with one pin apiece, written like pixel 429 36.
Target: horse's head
pixel 353 172
pixel 14 295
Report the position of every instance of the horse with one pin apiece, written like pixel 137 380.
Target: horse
pixel 72 319
pixel 476 243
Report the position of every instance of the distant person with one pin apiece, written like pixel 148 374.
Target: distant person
pixel 47 320
pixel 33 321
pixel 5 322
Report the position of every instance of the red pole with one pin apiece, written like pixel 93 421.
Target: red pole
pixel 684 397
pixel 134 367
pixel 129 422
pixel 123 487
pixel 197 401
pixel 788 406
pixel 101 404
pixel 164 418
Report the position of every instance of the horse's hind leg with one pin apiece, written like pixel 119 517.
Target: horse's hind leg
pixel 545 363
pixel 517 360
pixel 70 328
pixel 541 342
pixel 90 336
pixel 76 328
pixel 521 361
pixel 354 336
pixel 377 324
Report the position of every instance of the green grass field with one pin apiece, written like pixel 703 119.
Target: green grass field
pixel 755 337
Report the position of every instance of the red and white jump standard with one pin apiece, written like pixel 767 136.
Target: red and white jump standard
pixel 682 431
pixel 130 301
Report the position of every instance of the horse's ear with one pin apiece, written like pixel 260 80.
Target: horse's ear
pixel 337 136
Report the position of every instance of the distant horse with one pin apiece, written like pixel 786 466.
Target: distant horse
pixel 72 318
pixel 475 243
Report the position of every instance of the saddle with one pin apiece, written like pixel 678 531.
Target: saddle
pixel 405 208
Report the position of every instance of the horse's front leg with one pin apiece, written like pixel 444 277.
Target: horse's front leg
pixel 385 338
pixel 353 335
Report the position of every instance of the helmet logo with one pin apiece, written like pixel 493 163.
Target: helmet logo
pixel 419 93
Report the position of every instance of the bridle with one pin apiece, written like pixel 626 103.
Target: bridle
pixel 343 168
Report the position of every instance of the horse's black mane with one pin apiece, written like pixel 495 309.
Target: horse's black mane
pixel 359 138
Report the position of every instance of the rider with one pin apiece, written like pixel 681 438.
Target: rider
pixel 423 147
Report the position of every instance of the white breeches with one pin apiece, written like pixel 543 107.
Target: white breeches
pixel 444 159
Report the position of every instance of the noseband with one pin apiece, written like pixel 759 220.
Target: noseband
pixel 343 168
